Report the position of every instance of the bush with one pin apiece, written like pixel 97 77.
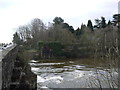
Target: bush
pixel 40 45
pixel 56 48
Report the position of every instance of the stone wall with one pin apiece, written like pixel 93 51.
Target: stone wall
pixel 16 75
pixel 7 67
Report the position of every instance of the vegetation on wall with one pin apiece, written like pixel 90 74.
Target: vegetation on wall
pixel 56 48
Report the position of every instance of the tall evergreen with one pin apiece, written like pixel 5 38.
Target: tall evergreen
pixel 103 22
pixel 109 22
pixel 89 25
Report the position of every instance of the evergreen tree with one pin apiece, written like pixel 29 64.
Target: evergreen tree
pixel 70 28
pixel 116 18
pixel 98 22
pixel 58 20
pixel 78 33
pixel 109 22
pixel 65 25
pixel 103 22
pixel 83 26
pixel 89 25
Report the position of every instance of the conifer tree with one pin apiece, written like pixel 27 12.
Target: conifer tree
pixel 103 22
pixel 89 25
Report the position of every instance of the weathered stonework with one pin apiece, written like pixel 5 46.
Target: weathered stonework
pixel 14 77
pixel 7 68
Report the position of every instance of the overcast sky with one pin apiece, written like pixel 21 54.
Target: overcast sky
pixel 19 12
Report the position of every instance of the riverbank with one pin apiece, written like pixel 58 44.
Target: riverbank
pixel 33 54
pixel 57 67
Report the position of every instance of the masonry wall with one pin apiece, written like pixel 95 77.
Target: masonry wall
pixel 7 68
pixel 16 76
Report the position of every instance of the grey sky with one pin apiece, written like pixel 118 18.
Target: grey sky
pixel 75 12
pixel 119 7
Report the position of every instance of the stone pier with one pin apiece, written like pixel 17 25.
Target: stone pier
pixel 11 71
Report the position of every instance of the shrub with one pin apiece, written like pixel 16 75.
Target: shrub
pixel 40 45
pixel 56 48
